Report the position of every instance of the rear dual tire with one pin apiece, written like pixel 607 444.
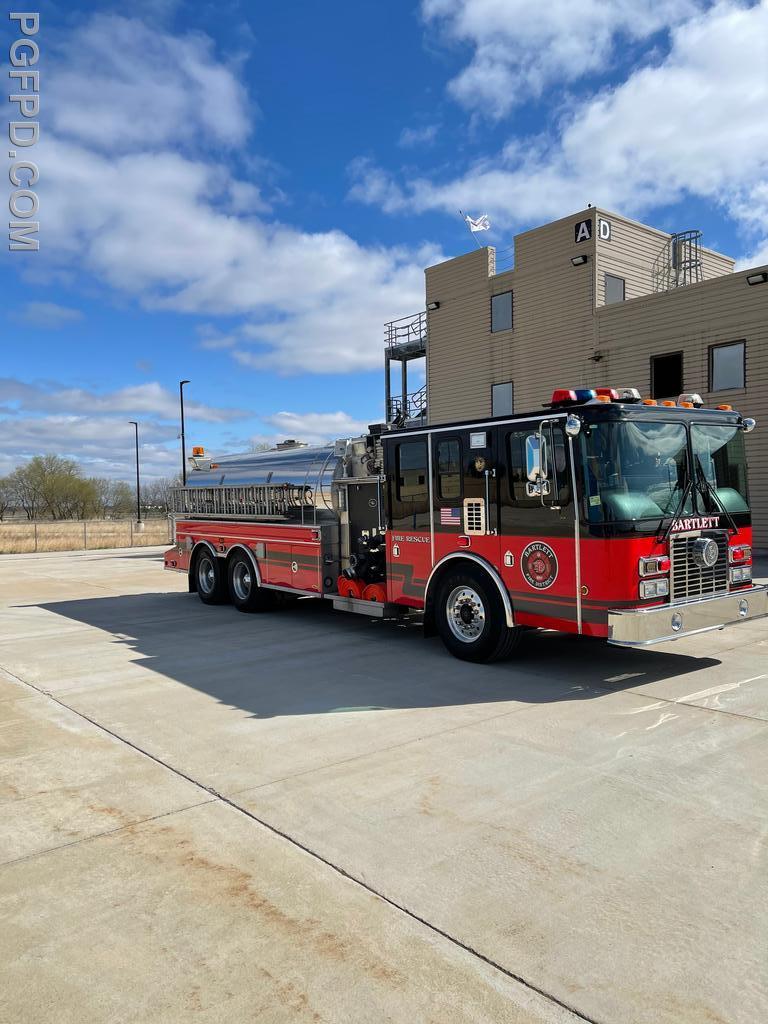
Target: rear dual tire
pixel 235 581
pixel 210 581
pixel 243 584
pixel 470 617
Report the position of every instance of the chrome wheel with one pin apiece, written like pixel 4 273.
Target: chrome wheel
pixel 206 575
pixel 465 612
pixel 242 581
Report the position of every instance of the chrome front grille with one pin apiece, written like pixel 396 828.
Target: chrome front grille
pixel 690 581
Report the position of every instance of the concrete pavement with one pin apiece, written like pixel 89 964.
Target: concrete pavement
pixel 311 816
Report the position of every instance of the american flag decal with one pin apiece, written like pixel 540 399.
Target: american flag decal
pixel 450 517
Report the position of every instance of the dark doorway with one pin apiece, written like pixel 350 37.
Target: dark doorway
pixel 667 375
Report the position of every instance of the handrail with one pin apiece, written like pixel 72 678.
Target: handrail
pixel 406 330
pixel 253 500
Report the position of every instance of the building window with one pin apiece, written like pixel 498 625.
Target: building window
pixel 614 289
pixel 412 471
pixel 449 469
pixel 667 375
pixel 502 399
pixel 727 366
pixel 501 312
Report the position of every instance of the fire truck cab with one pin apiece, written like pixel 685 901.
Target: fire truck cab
pixel 604 515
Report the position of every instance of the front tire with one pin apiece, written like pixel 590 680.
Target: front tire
pixel 210 582
pixel 470 618
pixel 244 590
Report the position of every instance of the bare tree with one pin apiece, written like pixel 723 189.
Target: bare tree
pixel 115 498
pixel 49 485
pixel 25 491
pixel 8 498
pixel 156 494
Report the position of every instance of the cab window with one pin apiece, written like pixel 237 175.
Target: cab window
pixel 519 444
pixel 412 471
pixel 449 469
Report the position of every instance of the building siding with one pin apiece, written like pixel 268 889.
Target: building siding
pixel 564 335
pixel 551 298
pixel 632 251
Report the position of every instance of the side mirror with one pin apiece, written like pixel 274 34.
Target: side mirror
pixel 536 466
pixel 572 425
pixel 535 458
pixel 748 425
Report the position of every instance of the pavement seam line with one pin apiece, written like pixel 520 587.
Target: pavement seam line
pixel 102 835
pixel 342 872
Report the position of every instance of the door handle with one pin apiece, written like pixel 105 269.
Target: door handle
pixel 487 500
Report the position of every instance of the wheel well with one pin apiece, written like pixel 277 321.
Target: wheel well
pixel 454 563
pixel 192 582
pixel 237 548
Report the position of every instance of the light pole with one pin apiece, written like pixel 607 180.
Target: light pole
pixel 135 425
pixel 183 450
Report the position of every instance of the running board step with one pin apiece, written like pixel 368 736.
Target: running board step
pixel 370 608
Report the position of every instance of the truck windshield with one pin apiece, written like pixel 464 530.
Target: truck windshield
pixel 719 456
pixel 634 470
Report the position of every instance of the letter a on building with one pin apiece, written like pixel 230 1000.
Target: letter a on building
pixel 583 231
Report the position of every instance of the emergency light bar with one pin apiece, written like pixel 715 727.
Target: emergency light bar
pixel 571 396
pixel 690 398
pixel 568 396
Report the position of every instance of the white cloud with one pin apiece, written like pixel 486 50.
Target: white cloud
pixel 146 209
pixel 692 125
pixel 93 428
pixel 214 340
pixel 103 445
pixel 119 84
pixel 412 137
pixel 48 315
pixel 150 399
pixel 373 185
pixel 313 427
pixel 519 47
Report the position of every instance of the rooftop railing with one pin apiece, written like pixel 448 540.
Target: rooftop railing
pixel 408 331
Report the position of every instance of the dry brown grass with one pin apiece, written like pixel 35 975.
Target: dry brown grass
pixel 22 538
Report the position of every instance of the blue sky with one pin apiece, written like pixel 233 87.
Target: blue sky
pixel 241 194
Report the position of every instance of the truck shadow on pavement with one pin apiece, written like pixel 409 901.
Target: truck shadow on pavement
pixel 308 659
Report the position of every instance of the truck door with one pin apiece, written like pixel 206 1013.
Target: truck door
pixel 537 536
pixel 465 468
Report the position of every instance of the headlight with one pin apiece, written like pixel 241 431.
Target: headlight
pixel 654 588
pixel 741 574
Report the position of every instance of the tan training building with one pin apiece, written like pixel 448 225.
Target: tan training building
pixel 593 300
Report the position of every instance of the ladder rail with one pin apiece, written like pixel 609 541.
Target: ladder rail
pixel 230 501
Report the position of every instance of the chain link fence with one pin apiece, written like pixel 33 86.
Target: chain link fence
pixel 82 535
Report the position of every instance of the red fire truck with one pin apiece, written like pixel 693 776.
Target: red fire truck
pixel 605 514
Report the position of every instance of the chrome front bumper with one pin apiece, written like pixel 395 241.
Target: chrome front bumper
pixel 638 627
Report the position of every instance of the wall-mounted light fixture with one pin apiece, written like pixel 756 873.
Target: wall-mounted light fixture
pixel 760 278
pixel 433 305
pixel 578 260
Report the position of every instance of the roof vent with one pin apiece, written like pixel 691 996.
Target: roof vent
pixel 290 443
